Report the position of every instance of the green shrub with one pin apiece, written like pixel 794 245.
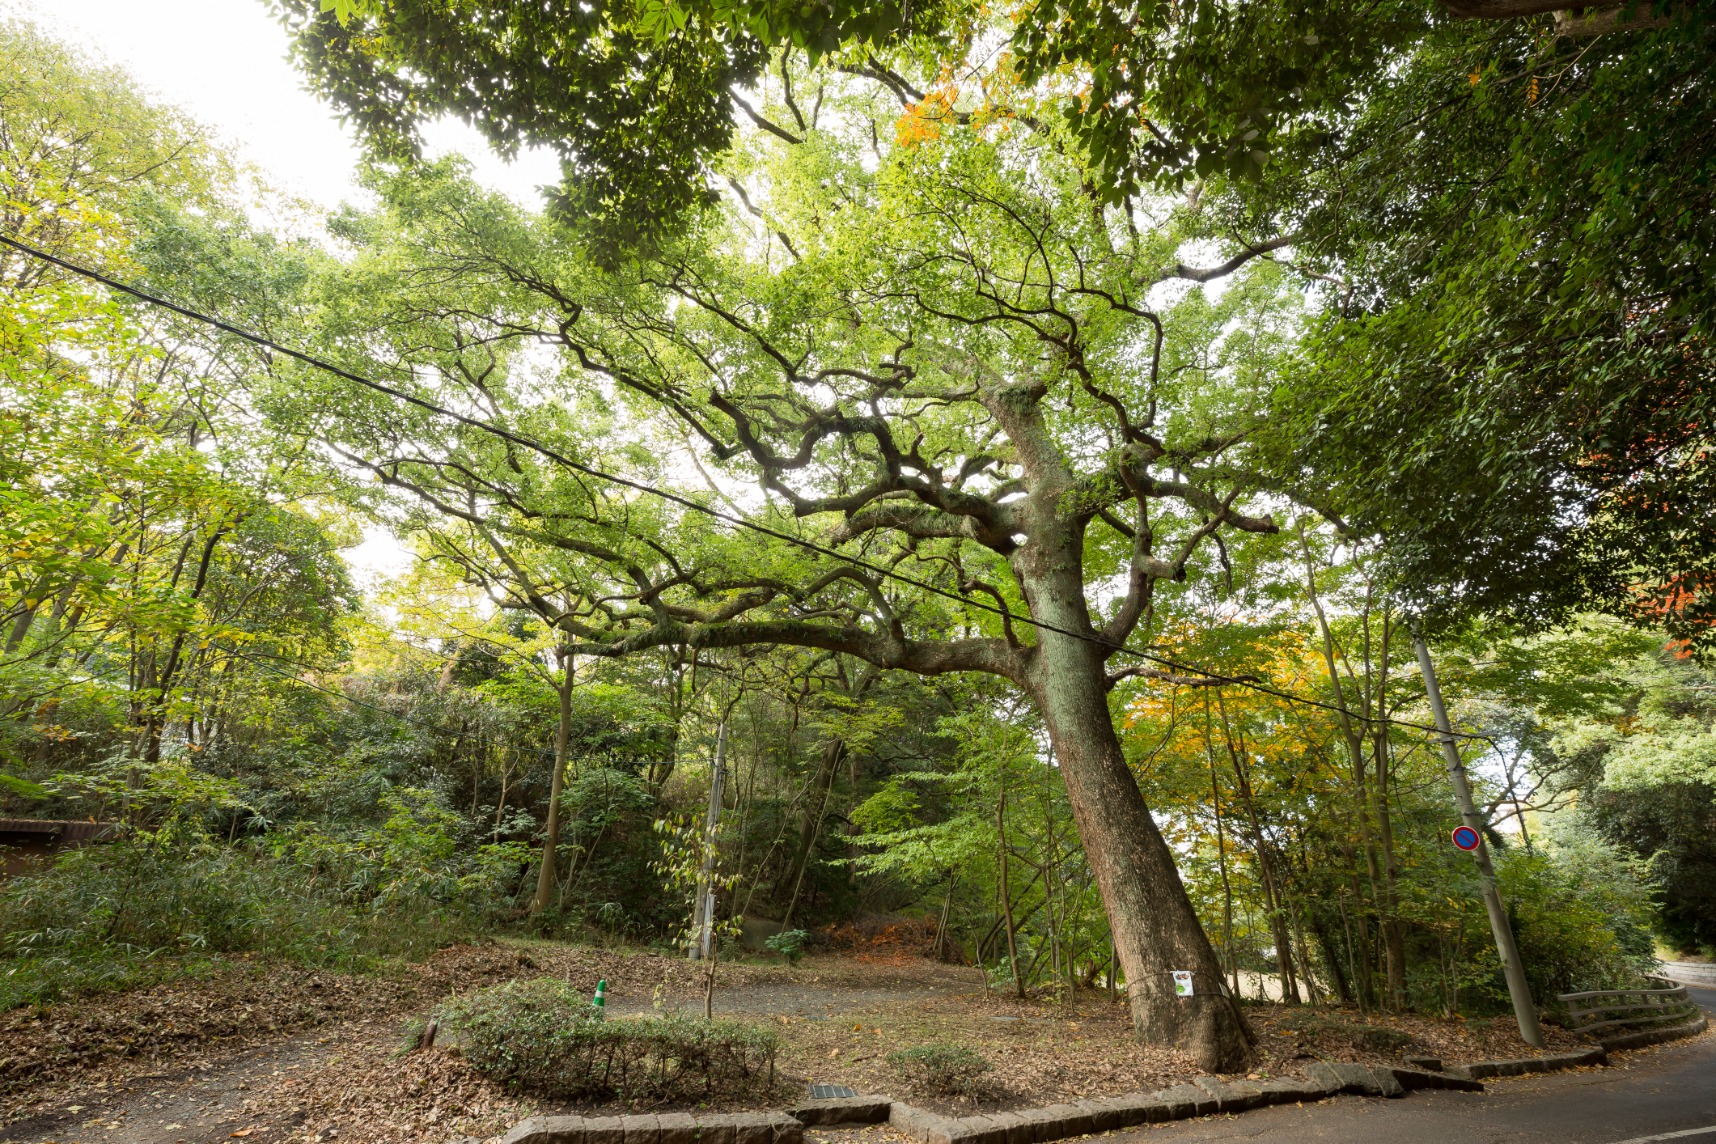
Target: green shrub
pixel 1583 914
pixel 543 1037
pixel 789 944
pixel 130 913
pixel 942 1070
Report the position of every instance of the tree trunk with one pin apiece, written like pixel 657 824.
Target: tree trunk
pixel 1364 800
pixel 1394 933
pixel 1272 899
pixel 1007 897
pixel 811 829
pixel 1221 856
pixel 1156 929
pixel 941 940
pixel 551 835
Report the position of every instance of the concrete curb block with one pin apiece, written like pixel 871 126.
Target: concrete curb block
pixel 1477 1070
pixel 666 1128
pixel 1204 1096
pixel 1338 1076
pixel 1414 1079
pixel 1645 1037
pixel 841 1111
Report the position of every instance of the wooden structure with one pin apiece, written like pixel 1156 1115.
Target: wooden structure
pixel 27 843
pixel 1660 1003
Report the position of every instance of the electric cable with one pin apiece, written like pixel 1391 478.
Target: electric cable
pixel 552 454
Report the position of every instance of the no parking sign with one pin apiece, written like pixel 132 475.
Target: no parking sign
pixel 1466 838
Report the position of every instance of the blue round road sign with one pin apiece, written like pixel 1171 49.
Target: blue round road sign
pixel 1466 838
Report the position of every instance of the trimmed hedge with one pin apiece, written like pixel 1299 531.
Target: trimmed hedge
pixel 543 1037
pixel 942 1070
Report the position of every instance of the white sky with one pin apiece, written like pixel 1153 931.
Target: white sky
pixel 224 62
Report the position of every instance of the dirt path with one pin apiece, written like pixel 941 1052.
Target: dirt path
pixel 271 1056
pixel 212 1100
pixel 818 993
pixel 351 1080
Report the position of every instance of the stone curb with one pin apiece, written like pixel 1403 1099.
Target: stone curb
pixel 841 1111
pixel 1338 1076
pixel 1202 1097
pixel 665 1128
pixel 1646 1037
pixel 1477 1070
pixel 1414 1079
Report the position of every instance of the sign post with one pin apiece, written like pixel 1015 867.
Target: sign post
pixel 1470 837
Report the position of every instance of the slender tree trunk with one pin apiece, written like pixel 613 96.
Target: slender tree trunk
pixel 1359 946
pixel 1007 897
pixel 1364 799
pixel 1265 865
pixel 551 835
pixel 1332 956
pixel 1394 933
pixel 1221 855
pixel 811 830
pixel 941 924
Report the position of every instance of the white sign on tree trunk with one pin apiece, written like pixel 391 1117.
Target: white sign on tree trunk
pixel 1182 983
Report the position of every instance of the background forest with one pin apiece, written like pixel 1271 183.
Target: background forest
pixel 519 732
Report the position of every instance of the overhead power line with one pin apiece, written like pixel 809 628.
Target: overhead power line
pixel 559 458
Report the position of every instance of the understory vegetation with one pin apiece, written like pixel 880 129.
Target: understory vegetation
pixel 567 705
pixel 942 1070
pixel 544 1037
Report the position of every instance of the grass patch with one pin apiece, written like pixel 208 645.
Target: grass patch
pixel 543 1037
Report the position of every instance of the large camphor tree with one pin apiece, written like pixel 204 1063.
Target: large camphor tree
pixel 1507 200
pixel 914 336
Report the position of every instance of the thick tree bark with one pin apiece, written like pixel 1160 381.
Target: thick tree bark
pixel 1156 929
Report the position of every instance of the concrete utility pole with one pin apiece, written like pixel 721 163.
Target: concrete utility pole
pixel 1523 1009
pixel 705 912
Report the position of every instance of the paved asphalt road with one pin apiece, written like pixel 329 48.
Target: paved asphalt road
pixel 1654 1094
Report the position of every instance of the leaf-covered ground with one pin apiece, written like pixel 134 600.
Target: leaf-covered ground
pixel 262 1053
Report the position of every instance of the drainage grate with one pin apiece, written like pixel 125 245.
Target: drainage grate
pixel 830 1091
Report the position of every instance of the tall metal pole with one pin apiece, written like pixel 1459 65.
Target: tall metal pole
pixel 1512 966
pixel 705 910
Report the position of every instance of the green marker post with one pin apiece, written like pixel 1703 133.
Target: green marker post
pixel 600 1002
